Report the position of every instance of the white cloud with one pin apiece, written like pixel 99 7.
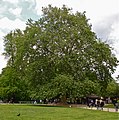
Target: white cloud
pixel 1 41
pixel 16 11
pixel 107 28
pixel 115 32
pixel 11 1
pixel 99 9
pixel 1 34
pixel 11 25
pixel 30 0
pixel 3 9
pixel 2 60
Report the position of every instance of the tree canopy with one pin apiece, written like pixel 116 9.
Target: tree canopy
pixel 59 51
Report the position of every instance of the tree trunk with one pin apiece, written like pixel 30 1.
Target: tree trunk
pixel 63 100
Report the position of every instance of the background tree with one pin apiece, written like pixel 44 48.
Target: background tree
pixel 112 89
pixel 11 87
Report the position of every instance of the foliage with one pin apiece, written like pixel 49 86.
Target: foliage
pixel 59 51
pixel 11 87
pixel 63 86
pixel 112 89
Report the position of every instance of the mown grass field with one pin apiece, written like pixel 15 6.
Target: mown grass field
pixel 109 106
pixel 30 112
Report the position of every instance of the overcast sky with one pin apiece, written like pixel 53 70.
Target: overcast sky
pixel 103 15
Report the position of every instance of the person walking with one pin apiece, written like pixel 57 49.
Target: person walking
pixel 117 105
pixel 98 104
pixel 102 105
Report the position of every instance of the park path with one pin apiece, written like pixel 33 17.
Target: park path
pixel 104 109
pixel 94 108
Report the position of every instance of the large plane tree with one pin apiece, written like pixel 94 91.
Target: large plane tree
pixel 60 51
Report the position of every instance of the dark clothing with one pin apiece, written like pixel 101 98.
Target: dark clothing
pixel 114 102
pixel 102 105
pixel 90 103
pixel 98 104
pixel 116 106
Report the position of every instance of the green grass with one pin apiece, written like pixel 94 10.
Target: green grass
pixel 30 112
pixel 109 106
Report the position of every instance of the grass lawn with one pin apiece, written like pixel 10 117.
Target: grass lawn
pixel 109 106
pixel 30 112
